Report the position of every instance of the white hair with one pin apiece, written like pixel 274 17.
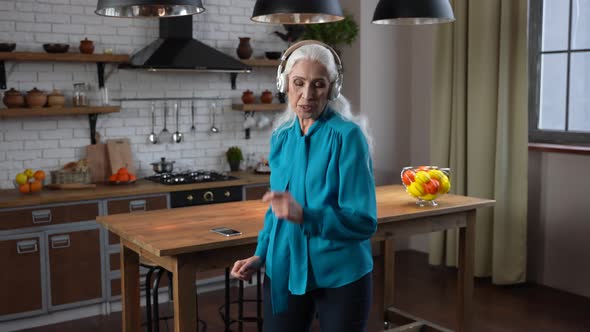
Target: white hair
pixel 341 105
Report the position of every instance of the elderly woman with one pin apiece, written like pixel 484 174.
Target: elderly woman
pixel 315 240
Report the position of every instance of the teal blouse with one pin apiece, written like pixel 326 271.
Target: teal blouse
pixel 329 172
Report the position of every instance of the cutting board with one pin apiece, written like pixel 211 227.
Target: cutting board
pixel 119 151
pixel 98 162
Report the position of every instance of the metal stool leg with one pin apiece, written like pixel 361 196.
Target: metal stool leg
pixel 241 305
pixel 227 303
pixel 148 298
pixel 156 302
pixel 259 301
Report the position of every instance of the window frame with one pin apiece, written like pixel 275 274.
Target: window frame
pixel 537 135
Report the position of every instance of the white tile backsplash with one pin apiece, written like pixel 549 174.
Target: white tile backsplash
pixel 48 143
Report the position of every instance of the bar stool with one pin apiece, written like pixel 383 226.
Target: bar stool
pixel 152 308
pixel 224 310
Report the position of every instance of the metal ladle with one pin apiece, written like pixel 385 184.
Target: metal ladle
pixel 177 136
pixel 193 129
pixel 165 135
pixel 213 129
pixel 153 138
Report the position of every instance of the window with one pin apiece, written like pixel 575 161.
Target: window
pixel 559 52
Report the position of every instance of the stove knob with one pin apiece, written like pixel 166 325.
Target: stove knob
pixel 190 197
pixel 227 193
pixel 208 196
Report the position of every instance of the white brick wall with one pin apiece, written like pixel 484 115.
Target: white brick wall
pixel 48 143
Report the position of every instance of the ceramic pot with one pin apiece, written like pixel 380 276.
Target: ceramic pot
pixel 244 49
pixel 234 165
pixel 248 97
pixel 266 97
pixel 56 99
pixel 13 99
pixel 86 46
pixel 36 98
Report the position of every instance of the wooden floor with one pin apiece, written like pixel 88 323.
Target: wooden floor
pixel 424 291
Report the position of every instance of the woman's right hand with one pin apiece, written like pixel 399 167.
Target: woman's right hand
pixel 244 268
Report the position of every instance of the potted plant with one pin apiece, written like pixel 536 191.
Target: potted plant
pixel 335 33
pixel 234 156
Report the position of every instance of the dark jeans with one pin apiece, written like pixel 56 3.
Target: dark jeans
pixel 342 309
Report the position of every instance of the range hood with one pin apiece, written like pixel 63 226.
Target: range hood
pixel 177 50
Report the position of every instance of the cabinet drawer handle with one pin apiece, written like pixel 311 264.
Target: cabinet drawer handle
pixel 60 241
pixel 41 216
pixel 138 205
pixel 227 193
pixel 26 247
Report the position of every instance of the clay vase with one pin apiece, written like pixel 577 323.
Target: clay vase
pixel 36 98
pixel 13 99
pixel 248 97
pixel 266 97
pixel 244 49
pixel 86 46
pixel 56 99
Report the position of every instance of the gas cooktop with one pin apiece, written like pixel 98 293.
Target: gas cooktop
pixel 199 176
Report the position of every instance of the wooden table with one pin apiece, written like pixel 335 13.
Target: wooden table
pixel 180 240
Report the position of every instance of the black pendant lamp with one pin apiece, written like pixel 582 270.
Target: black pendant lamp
pixel 148 8
pixel 297 11
pixel 413 12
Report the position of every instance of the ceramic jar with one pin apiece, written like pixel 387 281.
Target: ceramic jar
pixel 13 99
pixel 86 46
pixel 56 99
pixel 248 97
pixel 266 97
pixel 244 49
pixel 36 98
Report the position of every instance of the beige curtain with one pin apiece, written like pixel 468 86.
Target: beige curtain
pixel 479 129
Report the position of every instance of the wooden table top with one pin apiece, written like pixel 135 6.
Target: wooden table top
pixel 184 230
pixel 10 198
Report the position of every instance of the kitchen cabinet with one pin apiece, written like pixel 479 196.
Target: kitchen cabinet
pixel 134 204
pixel 21 280
pixel 255 192
pixel 75 269
pixel 47 215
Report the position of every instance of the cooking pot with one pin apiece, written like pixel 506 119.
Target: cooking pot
pixel 163 166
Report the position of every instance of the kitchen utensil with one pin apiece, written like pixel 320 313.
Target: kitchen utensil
pixel 120 155
pixel 177 136
pixel 153 138
pixel 248 97
pixel 165 135
pixel 86 46
pixel 13 99
pixel 163 166
pixel 56 48
pixel 36 98
pixel 426 183
pixel 56 99
pixel 266 97
pixel 7 47
pixel 79 98
pixel 213 129
pixel 97 158
pixel 193 129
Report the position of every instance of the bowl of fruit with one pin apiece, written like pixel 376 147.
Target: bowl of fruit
pixel 123 176
pixel 29 181
pixel 426 183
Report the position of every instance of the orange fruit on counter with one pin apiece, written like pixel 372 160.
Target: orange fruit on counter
pixel 132 177
pixel 39 175
pixel 408 177
pixel 36 186
pixel 123 177
pixel 113 178
pixel 24 188
pixel 122 170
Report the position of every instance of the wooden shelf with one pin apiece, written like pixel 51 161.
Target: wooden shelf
pixel 258 107
pixel 62 57
pixel 261 62
pixel 55 111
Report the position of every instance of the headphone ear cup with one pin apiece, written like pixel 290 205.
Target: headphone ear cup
pixel 282 84
pixel 335 89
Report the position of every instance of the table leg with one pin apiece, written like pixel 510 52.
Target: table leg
pixel 130 289
pixel 185 306
pixel 465 278
pixel 388 252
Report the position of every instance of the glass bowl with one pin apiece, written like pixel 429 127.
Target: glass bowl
pixel 426 183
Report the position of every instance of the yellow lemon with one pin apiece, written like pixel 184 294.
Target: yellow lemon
pixel 428 197
pixel 415 189
pixel 436 174
pixel 445 186
pixel 422 177
pixel 29 173
pixel 21 178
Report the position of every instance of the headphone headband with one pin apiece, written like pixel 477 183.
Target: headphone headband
pixel 281 84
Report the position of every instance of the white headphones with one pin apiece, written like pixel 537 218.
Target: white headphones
pixel 283 85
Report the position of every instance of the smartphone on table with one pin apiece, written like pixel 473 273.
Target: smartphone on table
pixel 225 231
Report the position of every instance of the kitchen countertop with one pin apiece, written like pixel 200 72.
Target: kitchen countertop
pixel 10 198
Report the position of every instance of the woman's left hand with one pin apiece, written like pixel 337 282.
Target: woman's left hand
pixel 284 206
